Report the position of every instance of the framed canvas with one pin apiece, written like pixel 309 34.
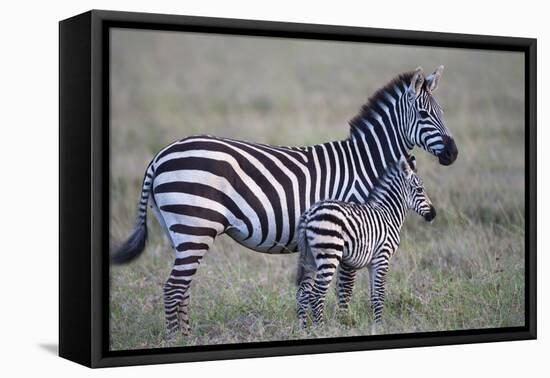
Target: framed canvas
pixel 234 188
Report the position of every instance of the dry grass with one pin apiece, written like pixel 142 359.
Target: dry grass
pixel 466 270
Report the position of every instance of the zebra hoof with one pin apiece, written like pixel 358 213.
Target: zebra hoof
pixel 318 324
pixel 171 335
pixel 302 324
pixel 172 331
pixel 346 318
pixel 373 329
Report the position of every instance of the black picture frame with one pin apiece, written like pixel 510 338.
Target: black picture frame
pixel 83 196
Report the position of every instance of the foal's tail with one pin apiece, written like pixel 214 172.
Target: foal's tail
pixel 306 261
pixel 135 244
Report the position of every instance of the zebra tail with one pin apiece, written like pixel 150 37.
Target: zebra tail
pixel 306 262
pixel 135 244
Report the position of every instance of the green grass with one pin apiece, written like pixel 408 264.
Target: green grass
pixel 463 271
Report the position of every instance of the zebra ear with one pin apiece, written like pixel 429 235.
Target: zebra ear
pixel 432 81
pixel 412 163
pixel 417 82
pixel 405 167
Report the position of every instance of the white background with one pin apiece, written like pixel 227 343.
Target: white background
pixel 29 188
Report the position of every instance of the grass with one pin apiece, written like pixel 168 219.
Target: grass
pixel 463 271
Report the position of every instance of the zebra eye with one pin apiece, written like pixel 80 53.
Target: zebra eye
pixel 419 190
pixel 423 114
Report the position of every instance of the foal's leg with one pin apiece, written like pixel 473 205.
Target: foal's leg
pixel 327 261
pixel 378 271
pixel 303 296
pixel 345 281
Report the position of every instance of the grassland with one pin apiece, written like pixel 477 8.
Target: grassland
pixel 463 271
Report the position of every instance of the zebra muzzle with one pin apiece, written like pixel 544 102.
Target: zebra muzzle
pixel 449 153
pixel 430 215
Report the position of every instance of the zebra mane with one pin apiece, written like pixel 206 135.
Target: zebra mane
pixel 357 122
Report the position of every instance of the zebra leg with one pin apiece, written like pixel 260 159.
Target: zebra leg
pixel 323 278
pixel 189 252
pixel 378 287
pixel 174 294
pixel 345 279
pixel 183 315
pixel 303 296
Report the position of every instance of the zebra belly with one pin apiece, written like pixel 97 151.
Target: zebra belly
pixel 360 251
pixel 247 233
pixel 358 260
pixel 228 186
pixel 269 246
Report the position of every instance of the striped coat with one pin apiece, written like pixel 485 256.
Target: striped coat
pixel 347 236
pixel 204 186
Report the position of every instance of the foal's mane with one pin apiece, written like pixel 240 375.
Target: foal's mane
pixel 377 194
pixel 394 170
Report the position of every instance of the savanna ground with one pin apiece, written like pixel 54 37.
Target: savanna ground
pixel 463 271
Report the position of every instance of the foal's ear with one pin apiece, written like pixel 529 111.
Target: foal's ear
pixel 432 81
pixel 417 81
pixel 405 167
pixel 412 162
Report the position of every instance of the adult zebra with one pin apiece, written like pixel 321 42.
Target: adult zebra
pixel 205 186
pixel 349 236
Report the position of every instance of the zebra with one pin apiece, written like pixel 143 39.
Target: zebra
pixel 349 236
pixel 203 186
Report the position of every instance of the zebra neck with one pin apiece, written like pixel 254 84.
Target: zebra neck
pixel 389 196
pixel 371 160
pixel 332 166
pixel 383 123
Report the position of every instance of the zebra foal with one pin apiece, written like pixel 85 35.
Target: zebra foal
pixel 348 236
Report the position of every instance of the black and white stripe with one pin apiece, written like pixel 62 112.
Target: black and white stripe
pixel 343 237
pixel 205 186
